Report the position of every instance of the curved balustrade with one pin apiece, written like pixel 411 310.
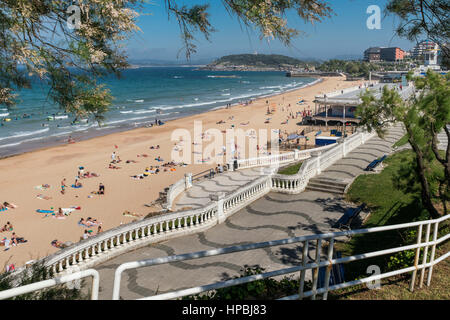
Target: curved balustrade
pixel 108 244
pixel 130 236
pixel 174 191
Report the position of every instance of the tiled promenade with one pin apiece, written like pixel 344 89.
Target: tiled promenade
pixel 275 216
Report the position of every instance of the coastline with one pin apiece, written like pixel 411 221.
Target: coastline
pixel 22 172
pixel 50 143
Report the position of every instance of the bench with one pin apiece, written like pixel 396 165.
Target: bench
pixel 346 220
pixel 375 163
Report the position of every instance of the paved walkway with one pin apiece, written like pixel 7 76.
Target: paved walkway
pixel 275 216
pixel 198 195
pixel 348 168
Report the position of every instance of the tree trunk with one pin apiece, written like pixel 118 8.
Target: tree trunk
pixel 425 192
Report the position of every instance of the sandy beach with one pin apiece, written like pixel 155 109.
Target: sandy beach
pixel 20 175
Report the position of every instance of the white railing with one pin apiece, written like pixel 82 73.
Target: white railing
pixel 14 292
pixel 104 246
pixel 174 191
pixel 279 159
pixel 317 163
pixel 321 260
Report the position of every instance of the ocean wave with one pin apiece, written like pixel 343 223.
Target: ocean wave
pixel 60 134
pixel 21 134
pixel 271 87
pixel 226 94
pixel 144 111
pixel 138 101
pixel 20 142
pixel 124 120
pixel 4 114
pixel 125 112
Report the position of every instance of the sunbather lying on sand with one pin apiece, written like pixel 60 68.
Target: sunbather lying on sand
pixel 142 155
pixel 92 222
pixel 111 166
pixel 7 227
pixel 131 214
pixel 43 197
pixel 9 205
pixel 90 175
pixel 16 240
pixel 58 244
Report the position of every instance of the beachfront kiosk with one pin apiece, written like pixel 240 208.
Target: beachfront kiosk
pixel 340 106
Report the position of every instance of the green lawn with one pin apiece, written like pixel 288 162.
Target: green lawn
pixel 389 204
pixel 291 170
pixel 402 141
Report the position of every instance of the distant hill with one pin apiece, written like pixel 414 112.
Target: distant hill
pixel 256 62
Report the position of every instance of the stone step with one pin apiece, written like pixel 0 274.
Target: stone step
pixel 325 186
pixel 328 182
pixel 325 190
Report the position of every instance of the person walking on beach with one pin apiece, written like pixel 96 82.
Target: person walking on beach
pixel 63 186
pixel 101 189
pixel 113 157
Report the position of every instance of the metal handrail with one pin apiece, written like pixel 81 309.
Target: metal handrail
pixel 6 294
pixel 305 266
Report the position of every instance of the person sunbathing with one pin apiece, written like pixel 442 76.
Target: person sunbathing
pixel 60 214
pixel 111 166
pixel 57 244
pixel 7 227
pixel 92 222
pixel 43 197
pixel 9 205
pixel 220 122
pixel 83 223
pixel 16 240
pixel 90 175
pixel 77 184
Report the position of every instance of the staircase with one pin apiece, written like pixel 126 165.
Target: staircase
pixel 327 185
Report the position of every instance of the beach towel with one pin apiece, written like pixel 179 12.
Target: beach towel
pixel 75 187
pixel 83 225
pixel 42 197
pixel 4 209
pixel 41 187
pixel 44 211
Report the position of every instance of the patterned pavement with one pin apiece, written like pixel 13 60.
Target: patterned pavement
pixel 273 217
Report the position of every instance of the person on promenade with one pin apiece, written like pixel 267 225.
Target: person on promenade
pixel 99 230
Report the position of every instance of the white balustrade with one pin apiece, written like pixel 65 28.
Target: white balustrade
pixel 112 242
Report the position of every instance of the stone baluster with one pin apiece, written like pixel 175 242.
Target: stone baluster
pixel 218 198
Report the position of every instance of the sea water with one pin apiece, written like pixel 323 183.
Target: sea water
pixel 141 96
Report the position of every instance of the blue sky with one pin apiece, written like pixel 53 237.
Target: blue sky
pixel 345 33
